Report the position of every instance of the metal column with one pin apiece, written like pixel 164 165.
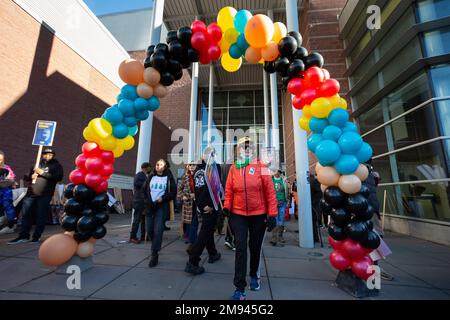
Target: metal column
pixel 305 225
pixel 274 103
pixel 266 111
pixel 145 134
pixel 193 113
pixel 210 102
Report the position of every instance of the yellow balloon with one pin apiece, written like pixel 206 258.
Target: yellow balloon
pixel 126 143
pixel 304 123
pixel 224 46
pixel 225 18
pixel 307 111
pixel 100 127
pixel 230 64
pixel 89 135
pixel 108 144
pixel 321 108
pixel 118 151
pixel 231 35
pixel 343 104
pixel 280 31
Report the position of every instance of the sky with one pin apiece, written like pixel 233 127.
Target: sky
pixel 102 7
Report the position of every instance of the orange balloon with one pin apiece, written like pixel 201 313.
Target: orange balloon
pixel 270 51
pixel 350 184
pixel 57 250
pixel 85 249
pixel 328 176
pixel 259 31
pixel 131 71
pixel 160 91
pixel 318 167
pixel 144 90
pixel 362 172
pixel 253 55
pixel 152 76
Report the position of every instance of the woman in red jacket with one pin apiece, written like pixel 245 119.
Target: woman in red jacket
pixel 249 199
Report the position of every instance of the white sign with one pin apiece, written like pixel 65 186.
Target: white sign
pixel 121 181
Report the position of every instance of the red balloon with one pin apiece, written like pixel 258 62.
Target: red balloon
pixel 199 41
pixel 214 52
pixel 107 157
pixel 107 170
pixel 101 187
pixel 361 267
pixel 214 33
pixel 335 244
pixel 296 86
pixel 326 74
pixel 339 261
pixel 80 161
pixel 198 26
pixel 77 176
pixel 352 249
pixel 309 95
pixel 90 149
pixel 314 76
pixel 93 180
pixel 298 103
pixel 94 165
pixel 329 88
pixel 204 57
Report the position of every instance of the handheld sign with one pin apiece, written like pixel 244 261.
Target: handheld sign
pixel 213 181
pixel 44 133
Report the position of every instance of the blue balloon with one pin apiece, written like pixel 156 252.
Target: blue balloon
pixel 113 115
pixel 350 126
pixel 331 133
pixel 364 153
pixel 141 104
pixel 129 92
pixel 338 117
pixel 235 52
pixel 142 115
pixel 132 131
pixel 120 97
pixel 327 151
pixel 317 125
pixel 130 121
pixel 120 131
pixel 240 20
pixel 154 104
pixel 126 107
pixel 242 43
pixel 350 142
pixel 346 164
pixel 313 141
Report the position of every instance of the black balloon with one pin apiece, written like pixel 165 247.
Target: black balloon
pixel 82 236
pixel 334 197
pixel 296 67
pixel 68 190
pixel 99 232
pixel 337 233
pixel 162 47
pixel 371 241
pixel 365 190
pixel 300 53
pixel 87 212
pixel 150 50
pixel 325 207
pixel 86 224
pixel 177 76
pixel 73 207
pixel 184 35
pixel 101 218
pixel 172 35
pixel 356 204
pixel 158 61
pixel 166 79
pixel 297 36
pixel 100 202
pixel 365 215
pixel 314 59
pixel 147 63
pixel 69 222
pixel 287 46
pixel 174 67
pixel 356 230
pixel 341 217
pixel 185 63
pixel 192 55
pixel 285 81
pixel 269 67
pixel 83 193
pixel 282 66
pixel 176 50
pixel 369 224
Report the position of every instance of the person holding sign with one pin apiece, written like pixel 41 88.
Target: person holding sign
pixel 40 193
pixel 251 204
pixel 6 197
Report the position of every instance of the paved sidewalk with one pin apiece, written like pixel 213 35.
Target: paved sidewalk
pixel 421 270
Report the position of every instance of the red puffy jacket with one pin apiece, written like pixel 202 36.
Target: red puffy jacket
pixel 249 191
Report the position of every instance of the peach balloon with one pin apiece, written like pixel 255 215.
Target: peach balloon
pixel 152 76
pixel 362 172
pixel 259 31
pixel 328 176
pixel 350 184
pixel 160 91
pixel 92 240
pixel 131 71
pixel 144 90
pixel 318 167
pixel 270 52
pixel 85 249
pixel 253 55
pixel 57 250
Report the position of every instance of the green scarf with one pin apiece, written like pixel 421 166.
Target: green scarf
pixel 242 163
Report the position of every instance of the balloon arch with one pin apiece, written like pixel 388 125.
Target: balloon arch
pixel 335 141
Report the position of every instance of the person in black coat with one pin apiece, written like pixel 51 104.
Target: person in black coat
pixel 43 182
pixel 139 202
pixel 316 195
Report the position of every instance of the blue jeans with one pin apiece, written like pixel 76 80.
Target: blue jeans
pixel 192 229
pixel 154 221
pixel 281 213
pixel 6 204
pixel 40 206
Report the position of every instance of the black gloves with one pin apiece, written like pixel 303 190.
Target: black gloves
pixel 271 223
pixel 226 212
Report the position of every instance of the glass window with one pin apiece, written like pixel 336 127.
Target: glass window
pixel 429 10
pixel 220 116
pixel 242 116
pixel 400 27
pixel 220 99
pixel 241 99
pixel 259 98
pixel 437 42
pixel 369 90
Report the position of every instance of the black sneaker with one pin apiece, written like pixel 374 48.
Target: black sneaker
pixel 195 270
pixel 35 240
pixel 214 258
pixel 19 240
pixel 153 261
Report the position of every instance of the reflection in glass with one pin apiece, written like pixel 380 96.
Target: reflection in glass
pixel 437 42
pixel 433 9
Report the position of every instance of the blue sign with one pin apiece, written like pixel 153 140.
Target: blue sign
pixel 44 133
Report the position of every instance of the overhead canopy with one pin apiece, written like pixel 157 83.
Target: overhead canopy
pixel 178 14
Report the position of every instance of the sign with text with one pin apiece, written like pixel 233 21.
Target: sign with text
pixel 44 133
